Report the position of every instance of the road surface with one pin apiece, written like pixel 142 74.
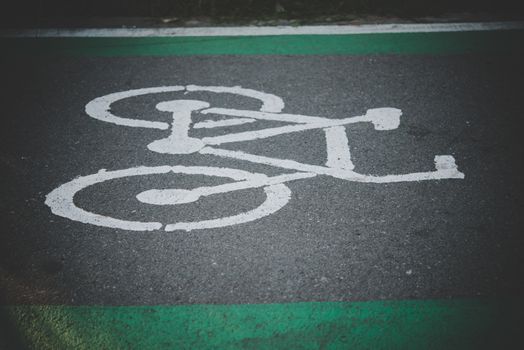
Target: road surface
pixel 322 260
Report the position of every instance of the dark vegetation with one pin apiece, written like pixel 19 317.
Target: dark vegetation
pixel 34 13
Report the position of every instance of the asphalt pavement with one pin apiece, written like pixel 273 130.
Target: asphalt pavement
pixel 334 240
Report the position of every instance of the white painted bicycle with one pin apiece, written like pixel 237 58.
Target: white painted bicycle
pixel 338 163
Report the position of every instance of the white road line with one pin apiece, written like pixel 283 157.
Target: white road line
pixel 280 117
pixel 382 119
pixel 266 30
pixel 337 147
pixel 445 168
pixel 211 124
pixel 270 132
pixel 284 163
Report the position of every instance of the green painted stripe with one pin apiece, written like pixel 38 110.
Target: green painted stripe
pixel 403 43
pixel 428 324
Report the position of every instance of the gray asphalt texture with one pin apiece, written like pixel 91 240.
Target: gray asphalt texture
pixel 335 240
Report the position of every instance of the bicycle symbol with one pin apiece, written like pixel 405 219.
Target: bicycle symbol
pixel 277 194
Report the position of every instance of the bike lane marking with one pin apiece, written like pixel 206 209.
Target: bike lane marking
pixel 338 164
pixel 464 325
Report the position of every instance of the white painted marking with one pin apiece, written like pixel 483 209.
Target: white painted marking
pixel 100 108
pixel 266 30
pixel 441 172
pixel 182 196
pixel 381 118
pixel 281 130
pixel 338 164
pixel 211 124
pixel 337 147
pixel 281 117
pixel 61 200
pixel 270 103
pixel 445 163
pixel 384 118
pixel 179 142
pixel 277 197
